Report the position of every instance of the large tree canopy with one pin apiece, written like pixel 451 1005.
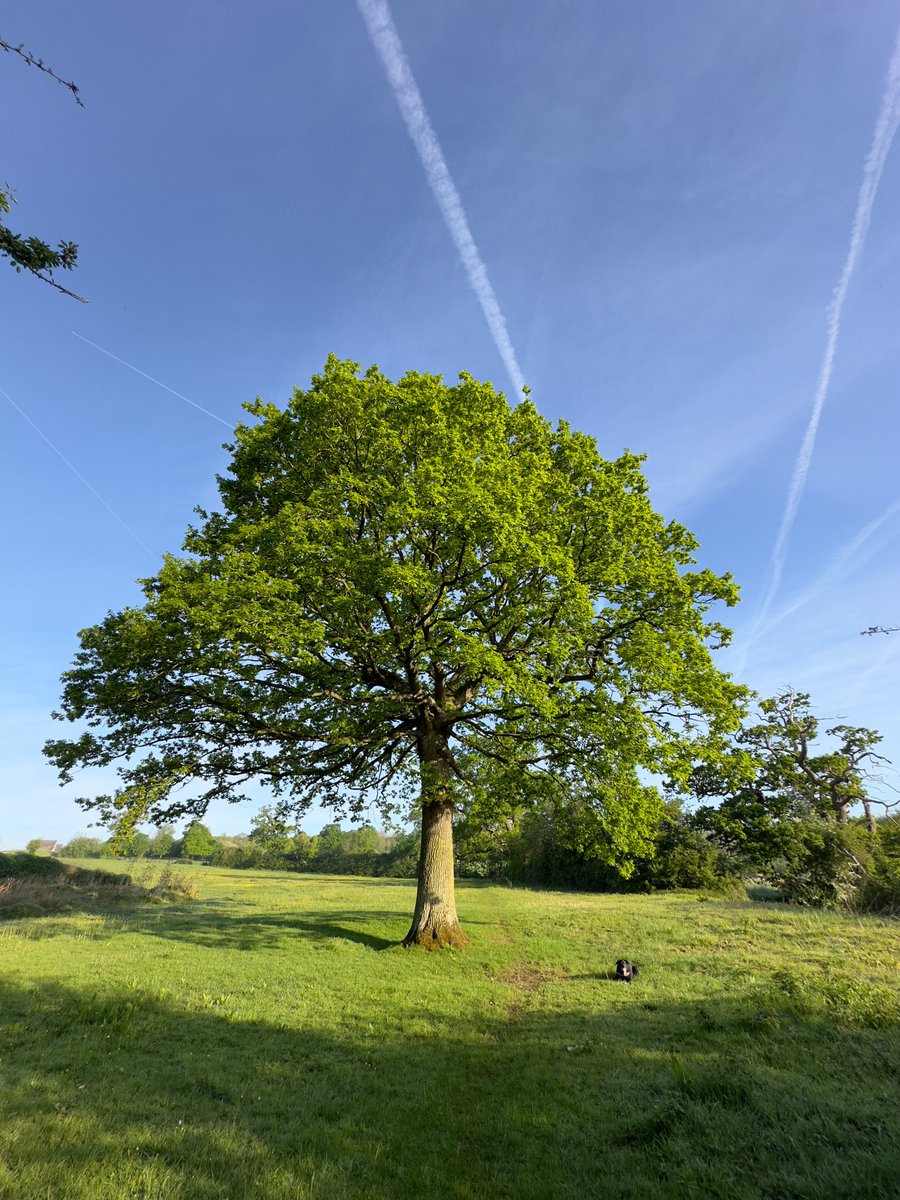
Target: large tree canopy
pixel 411 584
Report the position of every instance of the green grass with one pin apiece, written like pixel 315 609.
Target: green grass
pixel 270 1041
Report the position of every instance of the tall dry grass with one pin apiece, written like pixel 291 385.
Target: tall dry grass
pixel 75 888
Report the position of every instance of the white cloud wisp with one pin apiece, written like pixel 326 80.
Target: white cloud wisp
pixel 78 475
pixel 386 40
pixel 845 560
pixel 885 129
pixel 159 383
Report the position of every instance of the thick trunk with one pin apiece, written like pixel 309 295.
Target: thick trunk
pixel 435 924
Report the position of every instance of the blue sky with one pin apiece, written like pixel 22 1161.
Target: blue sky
pixel 662 196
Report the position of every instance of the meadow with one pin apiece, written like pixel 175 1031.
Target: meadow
pixel 270 1040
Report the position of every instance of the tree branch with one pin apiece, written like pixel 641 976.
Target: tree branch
pixel 32 61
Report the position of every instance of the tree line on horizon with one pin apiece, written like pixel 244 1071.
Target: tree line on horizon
pixel 272 843
pixel 784 800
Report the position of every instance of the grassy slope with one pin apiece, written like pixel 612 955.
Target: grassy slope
pixel 271 1041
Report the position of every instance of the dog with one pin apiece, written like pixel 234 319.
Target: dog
pixel 625 970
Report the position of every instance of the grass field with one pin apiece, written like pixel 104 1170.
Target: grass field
pixel 270 1040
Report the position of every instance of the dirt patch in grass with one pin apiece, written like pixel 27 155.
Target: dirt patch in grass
pixel 524 979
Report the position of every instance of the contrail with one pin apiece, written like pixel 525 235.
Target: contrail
pixel 837 568
pixel 164 386
pixel 386 40
pixel 885 128
pixel 90 487
pixel 883 660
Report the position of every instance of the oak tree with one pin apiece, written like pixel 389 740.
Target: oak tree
pixel 412 587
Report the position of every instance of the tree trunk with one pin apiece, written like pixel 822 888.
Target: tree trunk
pixel 435 924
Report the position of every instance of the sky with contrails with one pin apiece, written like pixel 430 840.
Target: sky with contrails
pixel 678 225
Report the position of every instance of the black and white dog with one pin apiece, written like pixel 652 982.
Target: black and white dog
pixel 625 970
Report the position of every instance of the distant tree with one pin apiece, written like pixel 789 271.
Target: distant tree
pixel 198 841
pixel 34 845
pixel 401 860
pixel 330 850
pixel 31 253
pixel 793 806
pixel 272 831
pixel 82 847
pixel 791 779
pixel 363 840
pixel 412 587
pixel 301 848
pixel 162 842
pixel 139 844
pixel 686 857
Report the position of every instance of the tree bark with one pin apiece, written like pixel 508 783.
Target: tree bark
pixel 435 924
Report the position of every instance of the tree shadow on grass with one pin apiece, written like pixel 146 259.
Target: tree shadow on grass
pixel 200 925
pixel 259 930
pixel 256 931
pixel 228 924
pixel 129 1093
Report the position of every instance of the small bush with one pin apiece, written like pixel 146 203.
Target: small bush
pixel 169 884
pixel 726 887
pixel 817 870
pixel 19 863
pixel 879 893
pixel 686 858
pixel 83 847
